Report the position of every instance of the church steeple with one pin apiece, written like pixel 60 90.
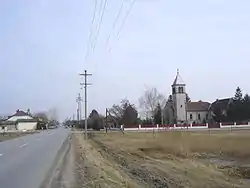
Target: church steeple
pixel 178 80
pixel 179 98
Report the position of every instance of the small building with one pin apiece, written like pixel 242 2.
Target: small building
pixel 20 121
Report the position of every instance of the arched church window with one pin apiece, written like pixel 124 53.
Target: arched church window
pixel 173 90
pixel 191 116
pixel 199 116
pixel 180 90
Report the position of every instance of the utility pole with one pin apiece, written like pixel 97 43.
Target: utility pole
pixel 78 100
pixel 85 84
pixel 106 120
pixel 106 117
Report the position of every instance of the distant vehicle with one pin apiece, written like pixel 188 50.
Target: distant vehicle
pixel 52 127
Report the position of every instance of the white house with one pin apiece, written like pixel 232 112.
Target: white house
pixel 20 121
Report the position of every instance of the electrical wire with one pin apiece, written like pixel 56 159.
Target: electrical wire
pixel 100 23
pixel 91 31
pixel 115 22
pixel 126 17
pixel 124 21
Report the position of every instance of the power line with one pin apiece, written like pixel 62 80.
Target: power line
pixel 79 100
pixel 124 20
pixel 126 17
pixel 91 31
pixel 99 25
pixel 115 22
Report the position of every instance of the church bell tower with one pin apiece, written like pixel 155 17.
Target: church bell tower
pixel 179 99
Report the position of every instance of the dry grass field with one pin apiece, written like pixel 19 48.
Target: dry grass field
pixel 166 159
pixel 12 135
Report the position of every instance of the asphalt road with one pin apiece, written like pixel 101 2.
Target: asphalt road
pixel 25 161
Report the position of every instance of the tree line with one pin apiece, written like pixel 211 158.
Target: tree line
pixel 126 113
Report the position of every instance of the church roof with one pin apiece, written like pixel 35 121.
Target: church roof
pixel 178 80
pixel 197 106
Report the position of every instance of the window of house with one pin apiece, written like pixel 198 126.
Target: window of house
pixel 199 117
pixel 191 116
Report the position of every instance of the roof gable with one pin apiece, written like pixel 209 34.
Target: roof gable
pixel 197 106
pixel 221 103
pixel 20 113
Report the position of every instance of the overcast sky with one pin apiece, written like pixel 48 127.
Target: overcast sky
pixel 43 45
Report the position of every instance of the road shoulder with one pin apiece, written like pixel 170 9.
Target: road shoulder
pixel 61 173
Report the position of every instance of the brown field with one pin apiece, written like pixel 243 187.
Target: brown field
pixel 166 159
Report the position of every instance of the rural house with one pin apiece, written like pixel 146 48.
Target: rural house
pixel 20 121
pixel 218 109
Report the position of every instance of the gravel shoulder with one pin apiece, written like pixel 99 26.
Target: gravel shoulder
pixel 62 173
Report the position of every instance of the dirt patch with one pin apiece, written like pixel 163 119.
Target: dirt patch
pixel 234 167
pixel 136 171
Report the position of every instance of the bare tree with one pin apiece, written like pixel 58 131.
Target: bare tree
pixel 150 99
pixel 42 115
pixel 52 114
pixel 124 113
pixel 116 111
